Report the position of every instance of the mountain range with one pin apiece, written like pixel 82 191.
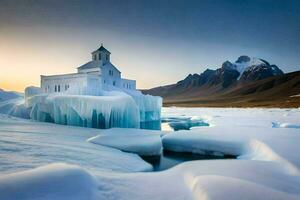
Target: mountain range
pixel 7 95
pixel 247 82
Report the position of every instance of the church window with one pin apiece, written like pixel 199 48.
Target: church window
pixel 58 88
pixel 114 83
pixel 99 56
pixel 55 88
pixel 106 56
pixel 95 56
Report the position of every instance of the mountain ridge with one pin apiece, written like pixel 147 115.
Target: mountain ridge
pixel 213 86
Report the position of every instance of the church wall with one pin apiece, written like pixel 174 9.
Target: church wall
pixel 62 83
pixel 128 84
pixel 111 76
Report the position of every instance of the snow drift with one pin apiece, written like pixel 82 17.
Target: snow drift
pixel 56 181
pixel 139 141
pixel 267 166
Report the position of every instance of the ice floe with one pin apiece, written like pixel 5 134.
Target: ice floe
pixel 139 141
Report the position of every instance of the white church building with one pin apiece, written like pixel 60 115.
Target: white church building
pixel 99 74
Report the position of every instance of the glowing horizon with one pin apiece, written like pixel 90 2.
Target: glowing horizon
pixel 155 44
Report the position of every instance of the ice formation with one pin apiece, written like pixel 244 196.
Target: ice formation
pixel 97 109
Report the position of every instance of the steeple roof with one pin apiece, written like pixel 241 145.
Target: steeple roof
pixel 102 49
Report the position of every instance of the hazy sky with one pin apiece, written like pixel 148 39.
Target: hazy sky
pixel 154 42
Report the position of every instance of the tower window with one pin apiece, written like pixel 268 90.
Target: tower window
pixel 107 57
pixel 99 56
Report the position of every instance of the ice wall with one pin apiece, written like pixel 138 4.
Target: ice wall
pixel 31 91
pixel 93 107
pixel 149 106
pixel 86 111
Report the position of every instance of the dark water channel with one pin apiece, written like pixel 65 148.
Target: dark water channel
pixel 169 159
pixel 173 124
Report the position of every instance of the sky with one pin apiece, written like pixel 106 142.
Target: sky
pixel 155 42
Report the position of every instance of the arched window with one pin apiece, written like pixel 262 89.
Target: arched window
pixel 58 88
pixel 55 88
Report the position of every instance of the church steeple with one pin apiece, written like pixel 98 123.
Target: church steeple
pixel 101 54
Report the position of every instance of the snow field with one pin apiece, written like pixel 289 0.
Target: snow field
pixel 267 166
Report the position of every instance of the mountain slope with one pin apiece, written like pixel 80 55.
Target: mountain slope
pixel 7 95
pixel 246 82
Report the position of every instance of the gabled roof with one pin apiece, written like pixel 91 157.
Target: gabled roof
pixel 95 64
pixel 90 65
pixel 102 49
pixel 110 64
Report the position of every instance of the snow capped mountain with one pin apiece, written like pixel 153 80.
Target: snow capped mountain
pixel 246 77
pixel 7 95
pixel 251 68
pixel 244 63
pixel 244 69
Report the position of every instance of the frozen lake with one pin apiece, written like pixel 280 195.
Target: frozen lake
pixel 109 166
pixel 174 123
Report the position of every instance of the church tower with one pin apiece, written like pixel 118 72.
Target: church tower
pixel 101 54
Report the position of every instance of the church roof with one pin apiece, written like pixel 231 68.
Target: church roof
pixel 95 64
pixel 90 65
pixel 101 49
pixel 111 65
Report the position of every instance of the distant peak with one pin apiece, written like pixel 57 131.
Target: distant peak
pixel 227 65
pixel 243 59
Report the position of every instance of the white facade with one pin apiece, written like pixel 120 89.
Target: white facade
pixel 97 74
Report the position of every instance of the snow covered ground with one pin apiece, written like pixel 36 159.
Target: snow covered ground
pixel 266 142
